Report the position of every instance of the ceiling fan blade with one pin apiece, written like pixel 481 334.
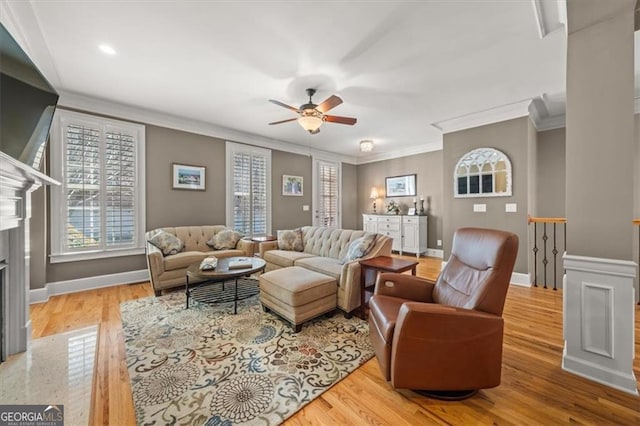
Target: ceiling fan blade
pixel 340 120
pixel 331 102
pixel 315 131
pixel 284 105
pixel 284 121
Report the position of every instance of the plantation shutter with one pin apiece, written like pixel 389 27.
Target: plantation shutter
pixel 82 185
pixel 100 199
pixel 250 186
pixel 328 194
pixel 120 176
pixel 259 195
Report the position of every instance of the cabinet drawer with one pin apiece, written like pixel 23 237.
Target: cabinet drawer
pixel 392 219
pixel 393 234
pixel 370 219
pixel 383 227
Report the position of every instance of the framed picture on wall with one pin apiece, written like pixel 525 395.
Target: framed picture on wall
pixel 188 177
pixel 401 186
pixel 292 185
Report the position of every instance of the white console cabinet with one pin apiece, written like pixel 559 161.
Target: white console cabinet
pixel 409 233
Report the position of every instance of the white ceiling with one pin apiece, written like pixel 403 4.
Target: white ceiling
pixel 398 66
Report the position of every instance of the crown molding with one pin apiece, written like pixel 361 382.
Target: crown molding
pixel 540 117
pixel 551 15
pixel 156 118
pixel 412 150
pixel 488 116
pixel 23 24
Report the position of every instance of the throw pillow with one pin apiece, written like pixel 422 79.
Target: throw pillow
pixel 225 240
pixel 167 243
pixel 290 240
pixel 359 248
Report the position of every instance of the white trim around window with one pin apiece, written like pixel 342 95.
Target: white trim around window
pixel 254 208
pixel 106 166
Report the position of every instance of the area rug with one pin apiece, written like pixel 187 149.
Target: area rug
pixel 204 365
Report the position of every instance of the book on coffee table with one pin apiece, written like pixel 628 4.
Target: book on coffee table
pixel 209 263
pixel 240 263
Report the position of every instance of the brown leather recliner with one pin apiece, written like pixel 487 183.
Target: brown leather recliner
pixel 445 338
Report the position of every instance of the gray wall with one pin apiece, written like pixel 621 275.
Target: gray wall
pixel 350 190
pixel 287 210
pixel 512 138
pixel 427 166
pixel 550 177
pixel 170 207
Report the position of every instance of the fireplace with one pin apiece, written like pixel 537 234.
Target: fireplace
pixel 17 182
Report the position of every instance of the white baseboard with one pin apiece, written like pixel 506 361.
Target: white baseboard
pixel 517 278
pixel 523 280
pixel 89 283
pixel 435 253
pixel 623 381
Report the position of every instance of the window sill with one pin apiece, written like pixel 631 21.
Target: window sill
pixel 90 255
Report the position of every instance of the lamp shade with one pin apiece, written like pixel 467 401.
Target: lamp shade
pixel 374 193
pixel 310 123
pixel 366 146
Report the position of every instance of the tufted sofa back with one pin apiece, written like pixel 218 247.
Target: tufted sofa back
pixel 195 237
pixel 328 242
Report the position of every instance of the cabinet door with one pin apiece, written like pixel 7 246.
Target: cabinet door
pixel 369 223
pixel 410 237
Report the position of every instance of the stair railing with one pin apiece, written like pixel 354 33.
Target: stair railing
pixel 544 221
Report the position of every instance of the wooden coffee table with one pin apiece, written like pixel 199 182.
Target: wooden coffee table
pixel 380 264
pixel 221 274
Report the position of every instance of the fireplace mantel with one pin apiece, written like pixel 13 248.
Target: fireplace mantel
pixel 17 182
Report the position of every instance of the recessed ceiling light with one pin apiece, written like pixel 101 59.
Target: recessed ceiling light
pixel 107 49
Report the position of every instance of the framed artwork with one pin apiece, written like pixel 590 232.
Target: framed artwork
pixel 401 186
pixel 188 177
pixel 292 185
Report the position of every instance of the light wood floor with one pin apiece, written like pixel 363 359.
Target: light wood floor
pixel 534 388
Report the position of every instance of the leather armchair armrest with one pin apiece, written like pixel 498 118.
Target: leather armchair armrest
pixel 405 287
pixel 266 246
pixel 246 246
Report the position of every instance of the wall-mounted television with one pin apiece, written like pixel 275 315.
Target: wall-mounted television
pixel 27 104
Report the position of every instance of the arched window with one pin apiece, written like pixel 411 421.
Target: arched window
pixel 483 172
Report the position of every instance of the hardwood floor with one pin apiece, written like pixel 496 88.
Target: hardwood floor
pixel 534 389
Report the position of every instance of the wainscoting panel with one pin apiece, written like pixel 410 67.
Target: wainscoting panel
pixel 597 319
pixel 599 315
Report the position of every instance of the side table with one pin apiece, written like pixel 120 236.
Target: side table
pixel 380 264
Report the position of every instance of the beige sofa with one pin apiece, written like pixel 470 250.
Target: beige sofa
pixel 170 271
pixel 323 247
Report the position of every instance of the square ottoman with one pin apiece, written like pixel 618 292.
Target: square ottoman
pixel 298 294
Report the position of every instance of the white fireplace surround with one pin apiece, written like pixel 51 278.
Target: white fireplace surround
pixel 17 182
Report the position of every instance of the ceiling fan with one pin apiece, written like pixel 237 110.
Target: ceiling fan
pixel 312 116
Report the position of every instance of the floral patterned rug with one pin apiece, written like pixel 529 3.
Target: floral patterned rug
pixel 206 366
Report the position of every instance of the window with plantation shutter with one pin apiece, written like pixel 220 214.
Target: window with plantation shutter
pixel 327 194
pixel 248 189
pixel 98 210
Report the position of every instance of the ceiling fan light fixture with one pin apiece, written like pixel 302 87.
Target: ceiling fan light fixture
pixel 310 122
pixel 366 145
